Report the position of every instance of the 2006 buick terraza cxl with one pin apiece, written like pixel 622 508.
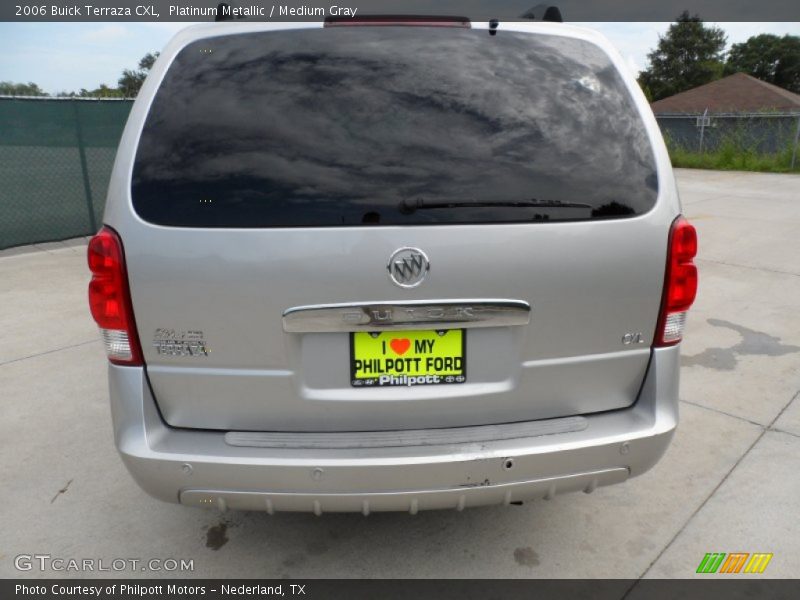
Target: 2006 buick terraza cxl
pixel 390 267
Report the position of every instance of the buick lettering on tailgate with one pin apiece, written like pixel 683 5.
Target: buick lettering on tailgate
pixel 414 314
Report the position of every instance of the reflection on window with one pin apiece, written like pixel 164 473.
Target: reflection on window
pixel 341 126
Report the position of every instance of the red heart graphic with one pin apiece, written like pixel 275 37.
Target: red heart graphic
pixel 401 345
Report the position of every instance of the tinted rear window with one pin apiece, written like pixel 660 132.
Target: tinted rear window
pixel 391 126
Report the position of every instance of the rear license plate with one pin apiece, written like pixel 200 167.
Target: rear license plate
pixel 407 358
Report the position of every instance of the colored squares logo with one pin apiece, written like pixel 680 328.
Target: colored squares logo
pixel 734 562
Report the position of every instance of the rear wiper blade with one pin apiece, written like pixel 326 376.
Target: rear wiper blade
pixel 409 206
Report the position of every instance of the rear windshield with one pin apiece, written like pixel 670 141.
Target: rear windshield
pixel 348 126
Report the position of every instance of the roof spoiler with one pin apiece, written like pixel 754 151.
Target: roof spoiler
pixel 400 20
pixel 543 12
pixel 540 12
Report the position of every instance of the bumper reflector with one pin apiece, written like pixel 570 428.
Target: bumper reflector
pixel 117 344
pixel 673 326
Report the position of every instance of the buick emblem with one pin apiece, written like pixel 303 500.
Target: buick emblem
pixel 408 267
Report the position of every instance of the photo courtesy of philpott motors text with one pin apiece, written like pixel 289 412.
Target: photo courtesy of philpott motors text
pixel 170 590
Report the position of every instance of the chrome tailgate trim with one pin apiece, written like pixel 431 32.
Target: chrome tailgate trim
pixel 448 314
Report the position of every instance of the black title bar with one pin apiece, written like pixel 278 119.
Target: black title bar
pixel 477 10
pixel 745 587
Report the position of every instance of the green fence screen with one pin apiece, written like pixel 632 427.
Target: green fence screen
pixel 55 164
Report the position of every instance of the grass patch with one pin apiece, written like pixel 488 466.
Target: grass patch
pixel 738 150
pixel 730 158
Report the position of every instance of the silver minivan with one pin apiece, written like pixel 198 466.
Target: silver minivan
pixel 390 265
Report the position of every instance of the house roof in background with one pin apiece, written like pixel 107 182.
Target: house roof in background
pixel 737 93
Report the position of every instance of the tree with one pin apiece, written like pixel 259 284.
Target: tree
pixel 690 54
pixel 128 85
pixel 148 60
pixel 8 88
pixel 131 81
pixel 105 92
pixel 769 58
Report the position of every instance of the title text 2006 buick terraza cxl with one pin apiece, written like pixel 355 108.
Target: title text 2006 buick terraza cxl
pixel 391 266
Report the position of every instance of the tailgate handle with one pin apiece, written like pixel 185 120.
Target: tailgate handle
pixel 377 316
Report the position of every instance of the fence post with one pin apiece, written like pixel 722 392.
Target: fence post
pixel 703 128
pixel 84 169
pixel 796 139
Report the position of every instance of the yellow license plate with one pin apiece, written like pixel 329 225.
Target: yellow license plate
pixel 407 358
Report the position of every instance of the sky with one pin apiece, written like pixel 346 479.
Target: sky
pixel 70 56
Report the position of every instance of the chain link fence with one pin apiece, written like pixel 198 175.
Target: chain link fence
pixel 56 157
pixel 736 135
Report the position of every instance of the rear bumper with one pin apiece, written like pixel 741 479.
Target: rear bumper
pixel 200 468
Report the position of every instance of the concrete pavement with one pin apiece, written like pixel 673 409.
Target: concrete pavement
pixel 729 482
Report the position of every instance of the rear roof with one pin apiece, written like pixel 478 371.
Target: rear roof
pixel 737 93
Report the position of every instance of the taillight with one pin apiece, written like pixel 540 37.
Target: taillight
pixel 680 283
pixel 110 299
